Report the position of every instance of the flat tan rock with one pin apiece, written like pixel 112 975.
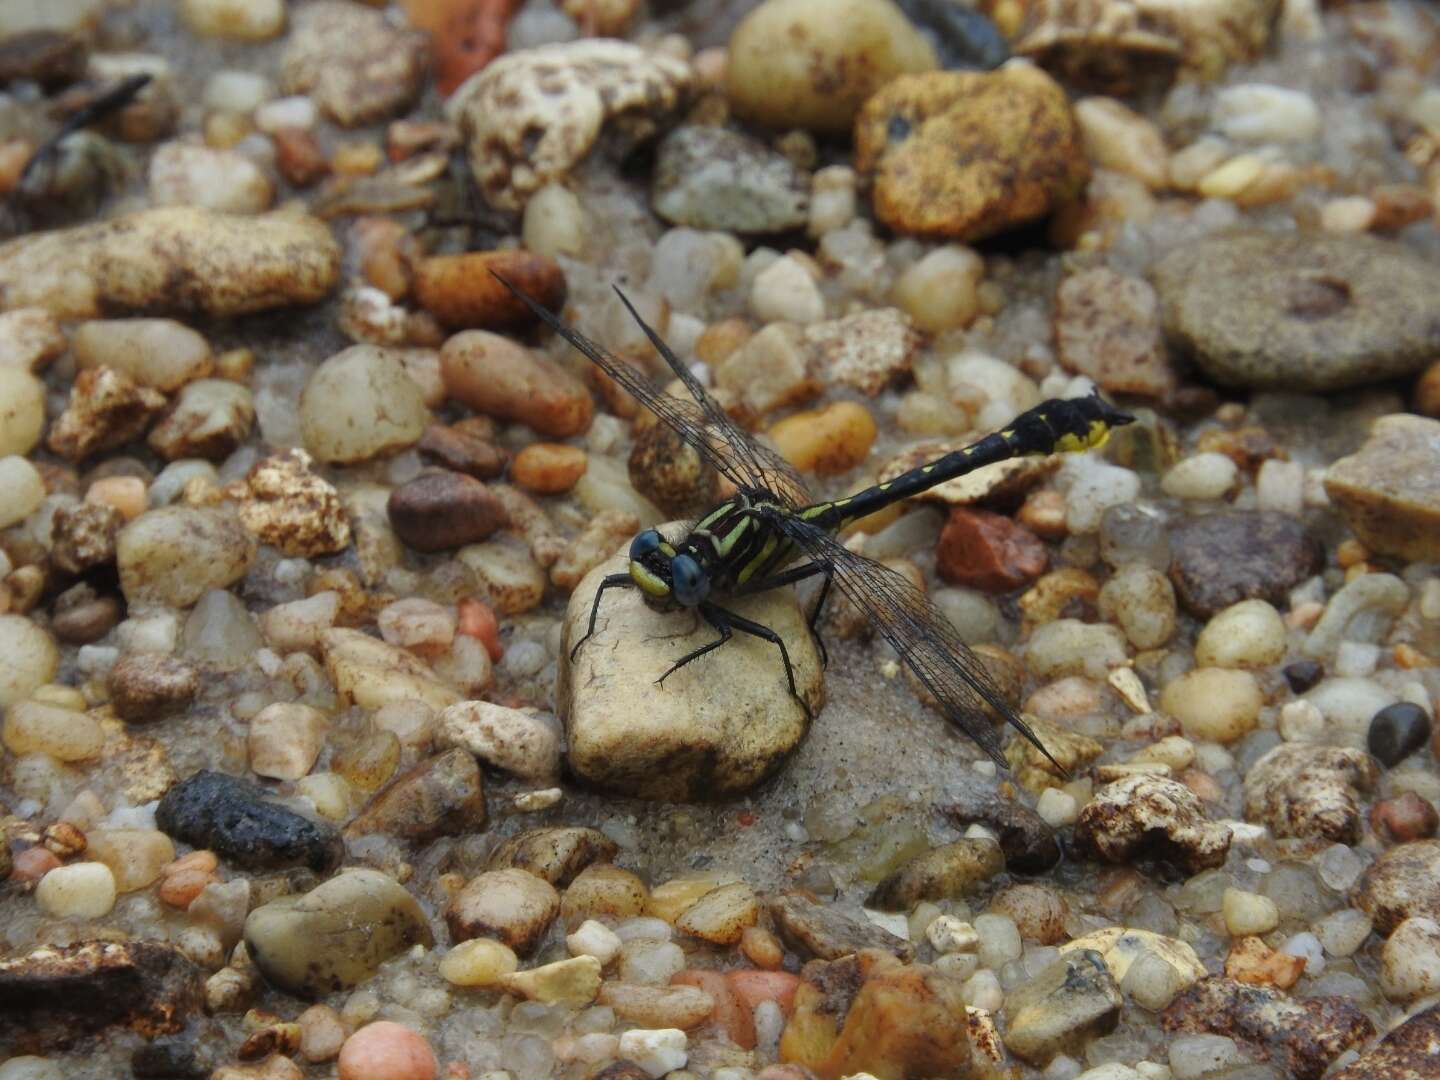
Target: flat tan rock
pixel 719 725
pixel 1389 490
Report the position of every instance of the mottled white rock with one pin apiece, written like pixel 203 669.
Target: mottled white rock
pixel 186 174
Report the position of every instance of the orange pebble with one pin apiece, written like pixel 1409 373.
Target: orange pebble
pixel 124 493
pixel 387 1051
pixel 735 1018
pixel 477 620
pixel 762 948
pixel 753 987
pixel 179 889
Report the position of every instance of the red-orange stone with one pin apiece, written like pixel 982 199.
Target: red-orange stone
pixel 988 552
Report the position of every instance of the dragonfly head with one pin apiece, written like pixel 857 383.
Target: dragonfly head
pixel 665 574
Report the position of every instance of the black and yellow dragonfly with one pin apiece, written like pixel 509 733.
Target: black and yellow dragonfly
pixel 770 533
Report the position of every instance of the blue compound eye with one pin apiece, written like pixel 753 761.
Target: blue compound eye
pixel 690 582
pixel 647 543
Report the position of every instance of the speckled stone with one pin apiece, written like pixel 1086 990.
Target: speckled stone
pixel 1300 312
pixel 714 178
pixel 1220 559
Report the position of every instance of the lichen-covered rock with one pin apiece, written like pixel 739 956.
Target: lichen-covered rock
pixel 947 872
pixel 106 410
pixel 557 855
pixel 1145 815
pixel 286 505
pixel 172 258
pixel 822 931
pixel 865 351
pixel 51 996
pixel 1071 1000
pixel 1387 490
pixel 1300 789
pixel 353 62
pixel 1107 326
pixel 1301 1037
pixel 1407 1052
pixel 208 419
pixel 963 155
pixel 1402 883
pixel 337 934
pixel 530 116
pixel 84 536
pixel 441 796
pixel 235 819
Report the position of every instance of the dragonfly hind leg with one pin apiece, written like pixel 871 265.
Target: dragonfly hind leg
pixel 725 621
pixel 790 577
pixel 609 581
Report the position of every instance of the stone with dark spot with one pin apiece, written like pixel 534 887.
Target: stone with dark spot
pixel 1220 559
pixel 1027 841
pixel 1397 731
pixel 1299 1037
pixel 1409 1052
pixel 1300 311
pixel 1302 675
pixel 1057 1011
pixel 234 818
pixel 80 615
pixel 52 996
pixel 988 551
pixel 1300 789
pixel 441 796
pixel 556 855
pixel 439 511
pixel 821 931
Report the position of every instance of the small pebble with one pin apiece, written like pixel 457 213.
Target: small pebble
pixel 387 1051
pixel 1248 913
pixel 1397 731
pixel 83 890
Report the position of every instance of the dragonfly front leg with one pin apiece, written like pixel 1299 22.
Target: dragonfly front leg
pixel 724 620
pixel 609 581
pixel 790 577
pixel 719 624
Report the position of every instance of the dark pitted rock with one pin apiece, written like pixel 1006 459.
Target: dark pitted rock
pixel 947 872
pixel 1300 1037
pixel 147 686
pixel 513 905
pixel 1300 311
pixel 1058 1010
pixel 717 179
pixel 1397 731
pixel 233 818
pixel 441 796
pixel 964 39
pixel 1408 816
pixel 439 511
pixel 824 932
pixel 1026 839
pixel 557 855
pixel 1402 883
pixel 1408 1052
pixel 989 552
pixel 1300 789
pixel 52 996
pixel 1387 489
pixel 1220 559
pixel 964 156
pixel 1146 815
pixel 336 935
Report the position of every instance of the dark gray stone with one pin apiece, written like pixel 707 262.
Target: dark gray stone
pixel 1397 731
pixel 1220 559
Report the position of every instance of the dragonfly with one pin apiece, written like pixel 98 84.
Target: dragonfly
pixel 771 533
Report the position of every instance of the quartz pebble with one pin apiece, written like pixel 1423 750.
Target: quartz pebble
pixel 22 415
pixel 82 890
pixel 478 962
pixel 359 404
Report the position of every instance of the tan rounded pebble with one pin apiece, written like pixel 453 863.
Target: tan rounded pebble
pixel 1200 476
pixel 939 291
pixel 23 487
pixel 1250 634
pixel 285 739
pixel 174 555
pixel 762 948
pixel 786 291
pixel 1142 600
pixel 81 890
pixel 22 410
pixel 514 905
pixel 1116 137
pixel 359 404
pixel 573 982
pixel 671 899
pixel 602 891
pixel 826 441
pixel 322 1033
pixel 1248 913
pixel 681 1007
pixel 387 1051
pixel 65 734
pixel 722 915
pixel 554 222
pixel 124 493
pixel 812 63
pixel 237 20
pixel 28 658
pixel 136 857
pixel 1214 704
pixel 503 379
pixel 548 468
pixel 507 574
pixel 478 962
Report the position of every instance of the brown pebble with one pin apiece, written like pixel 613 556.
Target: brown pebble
pixel 463 292
pixel 548 468
pixel 1398 205
pixel 1427 391
pixel 988 552
pixel 1404 818
pixel 462 449
pixel 298 156
pixel 80 616
pixel 147 686
pixel 496 376
pixel 442 510
pixel 33 863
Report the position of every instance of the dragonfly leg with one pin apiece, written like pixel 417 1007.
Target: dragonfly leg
pixel 724 619
pixel 719 624
pixel 790 577
pixel 609 581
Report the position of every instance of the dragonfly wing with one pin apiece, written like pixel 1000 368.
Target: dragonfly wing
pixel 920 633
pixel 702 423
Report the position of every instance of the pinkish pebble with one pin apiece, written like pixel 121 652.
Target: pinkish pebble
pixel 386 1051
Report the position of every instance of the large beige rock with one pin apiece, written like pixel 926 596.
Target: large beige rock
pixel 718 726
pixel 1389 490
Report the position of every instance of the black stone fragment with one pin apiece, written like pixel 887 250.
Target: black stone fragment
pixel 1397 731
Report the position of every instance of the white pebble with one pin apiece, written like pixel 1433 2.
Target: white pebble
pixel 642 927
pixel 554 222
pixel 1342 932
pixel 1356 658
pixel 1193 1056
pixel 983 991
pixel 1306 945
pixel 237 91
pixel 999 940
pixel 595 939
pixel 1094 487
pixel 951 935
pixel 1261 113
pixel 1339 867
pixel 1348 214
pixel 769 1025
pixel 657 1051
pixel 81 890
pixel 287 112
pixel 1058 808
pixel 832 199
pixel 1203 476
pixel 1280 486
pixel 24 490
pixel 650 963
pixel 1409 963
pixel 785 291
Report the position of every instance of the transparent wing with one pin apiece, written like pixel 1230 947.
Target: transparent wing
pixel 701 423
pixel 920 633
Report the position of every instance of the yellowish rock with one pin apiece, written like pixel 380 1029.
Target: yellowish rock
pixel 722 915
pixel 65 734
pixel 136 857
pixel 370 673
pixel 1214 704
pixel 603 891
pixel 573 982
pixel 1388 490
pixel 478 962
pixel 673 898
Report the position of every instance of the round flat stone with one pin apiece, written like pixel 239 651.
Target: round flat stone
pixel 1221 559
pixel 1300 312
